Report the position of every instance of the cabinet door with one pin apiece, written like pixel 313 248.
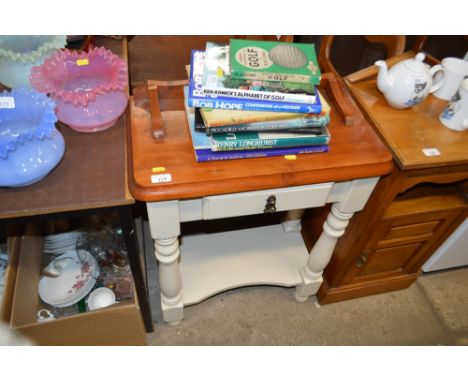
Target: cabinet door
pixel 400 246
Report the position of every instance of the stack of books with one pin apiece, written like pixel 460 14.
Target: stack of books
pixel 252 99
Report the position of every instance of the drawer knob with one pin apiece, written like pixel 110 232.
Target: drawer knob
pixel 270 204
pixel 362 259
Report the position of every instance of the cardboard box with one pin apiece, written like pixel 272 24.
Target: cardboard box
pixel 13 245
pixel 119 324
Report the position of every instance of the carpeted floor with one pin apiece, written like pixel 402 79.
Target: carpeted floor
pixel 433 311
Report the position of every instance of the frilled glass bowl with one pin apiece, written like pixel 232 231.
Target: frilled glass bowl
pixel 18 54
pixel 89 88
pixel 30 145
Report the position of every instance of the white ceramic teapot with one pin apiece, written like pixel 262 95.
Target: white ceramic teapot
pixel 408 82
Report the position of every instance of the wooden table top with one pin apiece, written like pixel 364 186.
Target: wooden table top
pixel 355 152
pixel 92 174
pixel 408 131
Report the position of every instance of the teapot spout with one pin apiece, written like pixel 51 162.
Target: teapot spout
pixel 382 78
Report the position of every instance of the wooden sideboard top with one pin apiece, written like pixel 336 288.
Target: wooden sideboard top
pixel 408 132
pixel 355 152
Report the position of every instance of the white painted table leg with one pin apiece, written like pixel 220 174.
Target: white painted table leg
pixel 348 200
pixel 292 221
pixel 321 253
pixel 170 281
pixel 164 219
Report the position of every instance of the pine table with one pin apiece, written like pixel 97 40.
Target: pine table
pixel 177 189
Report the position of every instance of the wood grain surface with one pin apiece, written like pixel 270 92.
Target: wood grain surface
pixel 355 152
pixel 408 131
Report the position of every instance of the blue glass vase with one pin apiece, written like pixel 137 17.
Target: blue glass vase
pixel 30 145
pixel 18 54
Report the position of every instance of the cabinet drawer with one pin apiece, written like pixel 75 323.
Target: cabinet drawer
pixel 423 228
pixel 257 202
pixel 412 229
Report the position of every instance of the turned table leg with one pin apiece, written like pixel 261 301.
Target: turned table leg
pixel 350 199
pixel 165 230
pixel 321 253
pixel 292 221
pixel 170 281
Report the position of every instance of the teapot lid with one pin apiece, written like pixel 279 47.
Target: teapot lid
pixel 415 63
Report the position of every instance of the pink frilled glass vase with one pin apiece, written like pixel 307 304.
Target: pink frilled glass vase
pixel 89 88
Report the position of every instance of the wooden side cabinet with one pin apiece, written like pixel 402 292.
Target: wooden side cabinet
pixel 410 229
pixel 387 243
pixel 411 211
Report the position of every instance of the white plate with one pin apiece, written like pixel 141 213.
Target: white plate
pixel 74 283
pixel 62 242
pixel 62 237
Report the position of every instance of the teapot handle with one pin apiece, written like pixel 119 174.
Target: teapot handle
pixel 435 69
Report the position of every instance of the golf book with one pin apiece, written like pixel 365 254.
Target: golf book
pixel 273 61
pixel 266 140
pixel 203 152
pixel 296 125
pixel 217 81
pixel 220 117
pixel 197 98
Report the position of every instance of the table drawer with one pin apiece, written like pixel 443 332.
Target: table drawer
pixel 256 202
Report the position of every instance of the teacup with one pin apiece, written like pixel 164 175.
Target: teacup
pixel 45 315
pixel 455 115
pixel 455 70
pixel 100 298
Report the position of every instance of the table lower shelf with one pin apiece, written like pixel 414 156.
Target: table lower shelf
pixel 214 263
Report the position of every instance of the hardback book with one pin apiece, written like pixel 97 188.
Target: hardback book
pixel 297 125
pixel 203 152
pixel 221 117
pixel 266 140
pixel 197 98
pixel 273 61
pixel 218 81
pixel 208 155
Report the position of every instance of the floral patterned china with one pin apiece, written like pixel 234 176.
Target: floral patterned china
pixel 74 282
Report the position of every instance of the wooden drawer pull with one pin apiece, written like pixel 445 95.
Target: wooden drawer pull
pixel 362 259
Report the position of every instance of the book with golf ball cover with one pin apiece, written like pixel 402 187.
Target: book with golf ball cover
pixel 274 61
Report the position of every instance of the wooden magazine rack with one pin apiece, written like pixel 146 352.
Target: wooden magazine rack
pixel 156 96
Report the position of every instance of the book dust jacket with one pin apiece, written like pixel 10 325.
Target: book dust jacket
pixel 274 61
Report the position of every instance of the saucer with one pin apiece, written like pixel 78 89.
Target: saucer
pixel 74 282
